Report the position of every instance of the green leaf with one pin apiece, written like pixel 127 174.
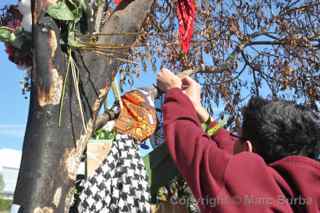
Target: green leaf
pixel 110 135
pixel 77 8
pixel 72 41
pixel 102 134
pixel 77 13
pixel 83 4
pixel 60 11
pixel 6 35
pixel 12 37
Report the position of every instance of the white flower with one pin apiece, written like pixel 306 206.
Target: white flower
pixel 24 7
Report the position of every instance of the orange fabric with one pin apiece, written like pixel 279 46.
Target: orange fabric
pixel 137 117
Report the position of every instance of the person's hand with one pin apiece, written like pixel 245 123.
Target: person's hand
pixel 193 90
pixel 167 80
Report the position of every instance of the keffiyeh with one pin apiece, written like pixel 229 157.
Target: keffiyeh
pixel 120 184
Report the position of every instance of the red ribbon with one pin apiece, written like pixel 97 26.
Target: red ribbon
pixel 186 11
pixel 117 1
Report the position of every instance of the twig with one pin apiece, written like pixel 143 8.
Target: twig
pixel 301 8
pixel 232 79
pixel 253 72
pixel 63 93
pixel 102 119
pixel 120 33
pixel 206 69
pixel 76 87
pixel 116 92
pixel 200 69
pixel 279 42
pixel 255 82
pixel 94 46
pixel 117 58
pixel 264 43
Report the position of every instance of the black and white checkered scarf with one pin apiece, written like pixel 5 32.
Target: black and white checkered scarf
pixel 120 184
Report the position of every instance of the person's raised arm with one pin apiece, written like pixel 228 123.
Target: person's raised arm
pixel 221 136
pixel 196 155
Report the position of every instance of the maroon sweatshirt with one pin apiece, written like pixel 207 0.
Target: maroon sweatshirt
pixel 223 182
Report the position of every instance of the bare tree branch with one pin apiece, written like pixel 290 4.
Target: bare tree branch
pixel 102 119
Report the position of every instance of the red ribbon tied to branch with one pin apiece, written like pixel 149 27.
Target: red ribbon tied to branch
pixel 186 11
pixel 117 1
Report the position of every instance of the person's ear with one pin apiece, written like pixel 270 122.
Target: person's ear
pixel 247 146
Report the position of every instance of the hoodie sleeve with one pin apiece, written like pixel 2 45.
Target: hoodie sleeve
pixel 197 156
pixel 223 139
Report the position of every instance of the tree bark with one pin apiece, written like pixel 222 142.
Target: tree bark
pixel 51 154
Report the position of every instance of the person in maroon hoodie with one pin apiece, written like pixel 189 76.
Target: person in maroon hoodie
pixel 271 167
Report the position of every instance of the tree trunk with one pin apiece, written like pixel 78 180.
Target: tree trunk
pixel 51 154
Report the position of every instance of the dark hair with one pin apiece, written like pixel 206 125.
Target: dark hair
pixel 278 129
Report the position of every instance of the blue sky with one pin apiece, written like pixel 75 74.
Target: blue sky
pixel 13 105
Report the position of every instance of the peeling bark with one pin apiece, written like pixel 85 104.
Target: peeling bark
pixel 57 197
pixel 43 210
pixel 51 154
pixel 53 43
pixel 71 157
pixel 53 96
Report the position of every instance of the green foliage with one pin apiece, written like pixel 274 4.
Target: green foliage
pixel 1 183
pixel 77 8
pixel 61 11
pixel 68 10
pixel 19 38
pixel 72 40
pixel 5 204
pixel 83 4
pixel 71 12
pixel 102 134
pixel 6 35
